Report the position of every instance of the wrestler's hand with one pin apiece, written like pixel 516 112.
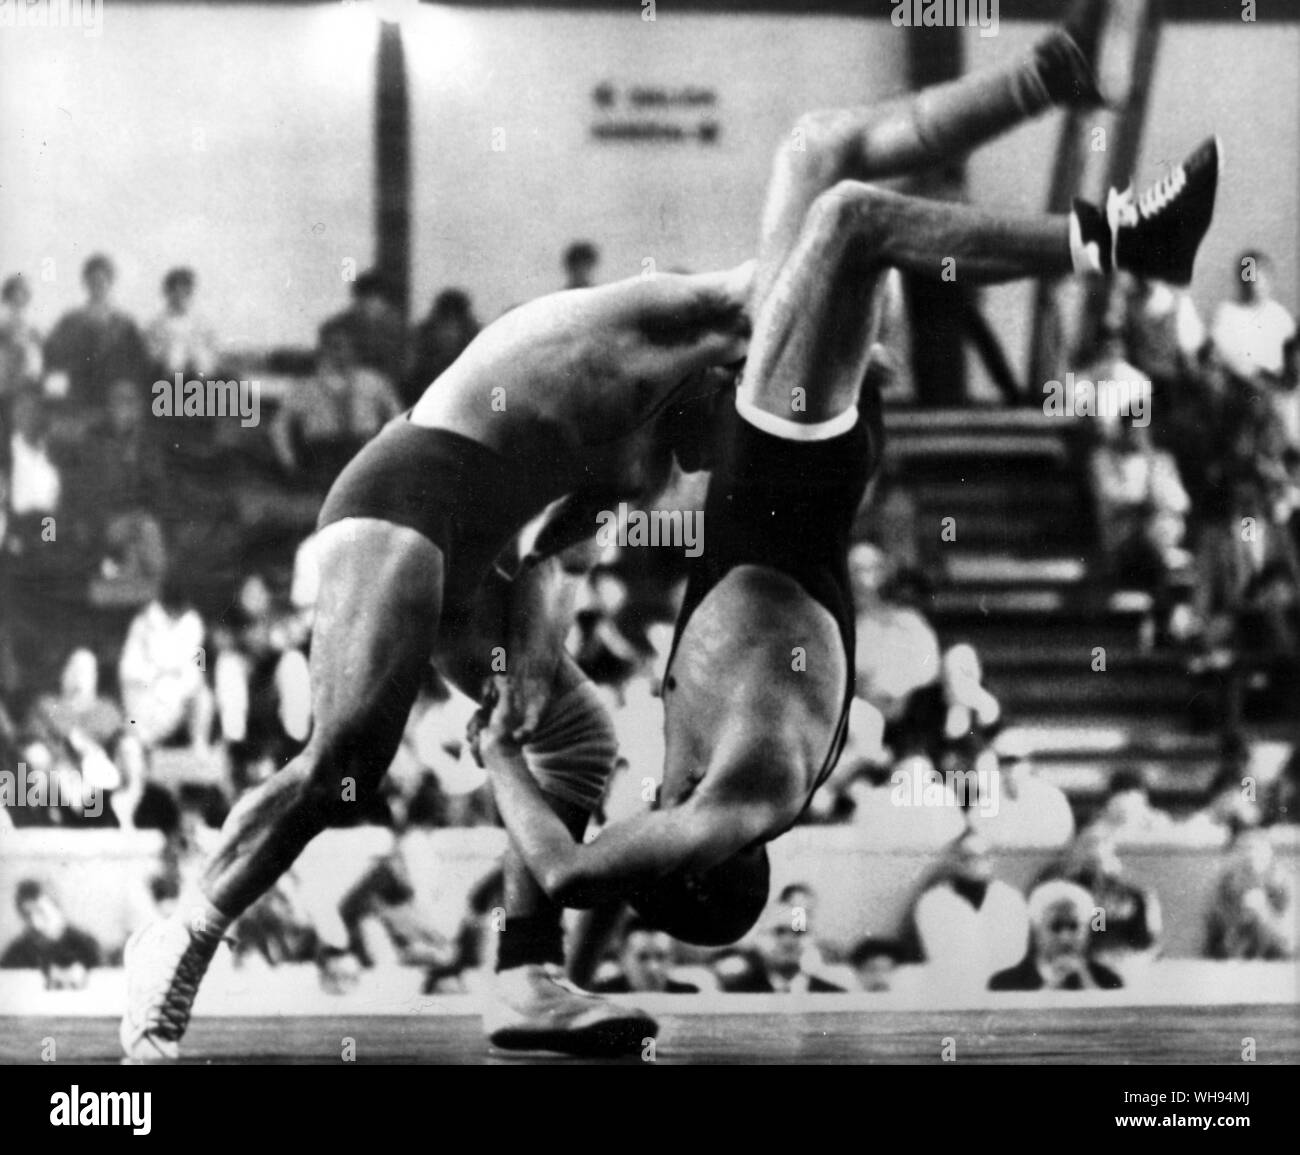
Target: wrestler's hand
pixel 522 694
pixel 486 733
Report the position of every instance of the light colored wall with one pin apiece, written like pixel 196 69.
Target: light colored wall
pixel 99 147
pixel 499 220
pixel 236 140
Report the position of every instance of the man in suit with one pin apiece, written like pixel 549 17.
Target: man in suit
pixel 777 963
pixel 1060 915
pixel 645 963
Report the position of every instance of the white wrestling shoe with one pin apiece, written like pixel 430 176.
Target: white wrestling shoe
pixel 535 1008
pixel 162 978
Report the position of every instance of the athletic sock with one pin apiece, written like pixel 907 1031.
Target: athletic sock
pixel 1064 72
pixel 533 938
pixel 959 115
pixel 1090 239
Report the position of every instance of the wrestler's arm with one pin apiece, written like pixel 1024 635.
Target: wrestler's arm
pixel 572 521
pixel 626 855
pixel 537 604
pixel 672 324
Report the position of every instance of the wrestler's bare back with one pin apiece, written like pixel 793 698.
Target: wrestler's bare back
pixel 568 379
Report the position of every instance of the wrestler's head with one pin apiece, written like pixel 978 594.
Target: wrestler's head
pixel 712 908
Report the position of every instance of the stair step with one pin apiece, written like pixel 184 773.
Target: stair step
pixel 1090 778
pixel 1073 692
pixel 1005 569
pixel 1059 740
pixel 1011 638
pixel 997 490
pixel 1065 660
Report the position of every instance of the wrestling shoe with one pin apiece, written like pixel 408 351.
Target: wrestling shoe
pixel 164 966
pixel 535 1008
pixel 1155 234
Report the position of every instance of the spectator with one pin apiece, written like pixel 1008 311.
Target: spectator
pixel 897 651
pixel 161 672
pixel 1030 811
pixel 63 953
pixel 327 418
pixel 274 930
pixel 93 346
pixel 387 927
pixel 434 780
pixel 438 340
pixel 1246 594
pixel 1163 332
pixel 86 729
pixel 200 811
pixel 890 807
pixel 969 925
pixel 178 340
pixel 21 361
pixel 1058 957
pixel 376 327
pixel 1230 804
pixel 955 711
pixel 1127 814
pixel 1141 507
pixel 1128 932
pixel 118 482
pixel 1280 799
pixel 801 900
pixel 1249 332
pixel 597 640
pixel 645 964
pixel 1253 916
pixel 35 479
pixel 776 962
pixel 874 961
pixel 1286 395
pixel 262 688
pixel 1110 362
pixel 580 262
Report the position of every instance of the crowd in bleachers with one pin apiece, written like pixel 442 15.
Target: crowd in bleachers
pixel 186 692
pixel 1198 500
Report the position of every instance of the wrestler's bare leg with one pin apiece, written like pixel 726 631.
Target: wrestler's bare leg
pixel 376 620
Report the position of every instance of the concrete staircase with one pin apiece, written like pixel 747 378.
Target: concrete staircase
pixel 1019 582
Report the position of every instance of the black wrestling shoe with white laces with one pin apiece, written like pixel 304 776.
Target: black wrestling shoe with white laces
pixel 1155 234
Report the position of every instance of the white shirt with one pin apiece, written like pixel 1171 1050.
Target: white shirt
pixel 160 669
pixel 1039 815
pixel 1249 338
pixel 898 652
pixel 1125 477
pixel 35 486
pixel 182 344
pixel 890 815
pixel 970 945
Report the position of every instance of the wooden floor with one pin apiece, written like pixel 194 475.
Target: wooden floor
pixel 1039 1035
